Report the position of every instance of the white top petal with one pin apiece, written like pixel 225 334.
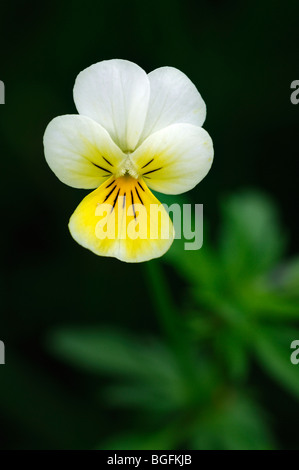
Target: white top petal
pixel 175 159
pixel 115 93
pixel 173 99
pixel 80 152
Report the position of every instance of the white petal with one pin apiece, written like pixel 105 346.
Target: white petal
pixel 175 159
pixel 173 99
pixel 115 93
pixel 80 152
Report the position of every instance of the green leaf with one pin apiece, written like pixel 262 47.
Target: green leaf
pixel 232 350
pixel 102 350
pixel 146 372
pixel 272 304
pixel 251 240
pixel 290 278
pixel 199 267
pixel 272 348
pixel 155 396
pixel 236 423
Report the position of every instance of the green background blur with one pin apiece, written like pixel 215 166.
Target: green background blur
pixel 190 351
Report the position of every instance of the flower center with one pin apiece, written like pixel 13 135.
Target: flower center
pixel 127 168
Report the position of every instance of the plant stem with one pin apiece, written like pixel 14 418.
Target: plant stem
pixel 170 321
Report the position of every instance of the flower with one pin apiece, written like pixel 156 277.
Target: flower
pixel 134 132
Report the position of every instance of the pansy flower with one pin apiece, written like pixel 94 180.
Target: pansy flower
pixel 134 132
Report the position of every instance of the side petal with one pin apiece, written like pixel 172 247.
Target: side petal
pixel 80 152
pixel 115 93
pixel 123 219
pixel 175 159
pixel 173 99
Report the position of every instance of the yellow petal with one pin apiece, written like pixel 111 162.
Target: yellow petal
pixel 123 219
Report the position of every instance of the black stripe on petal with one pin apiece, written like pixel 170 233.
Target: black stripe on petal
pixel 101 168
pixel 147 163
pixel 139 196
pixel 107 161
pixel 132 198
pixel 114 202
pixel 110 193
pixel 152 171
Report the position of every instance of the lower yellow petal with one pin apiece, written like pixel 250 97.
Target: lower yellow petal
pixel 123 219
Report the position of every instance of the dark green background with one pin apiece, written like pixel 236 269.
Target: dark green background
pixel 242 56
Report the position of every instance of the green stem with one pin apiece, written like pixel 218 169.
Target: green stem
pixel 170 321
pixel 164 304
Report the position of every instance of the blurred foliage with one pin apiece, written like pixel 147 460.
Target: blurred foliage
pixel 194 388
pixel 189 351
